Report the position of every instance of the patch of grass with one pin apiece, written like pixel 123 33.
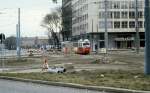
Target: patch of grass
pixel 19 62
pixel 120 79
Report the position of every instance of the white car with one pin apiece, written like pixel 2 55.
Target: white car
pixel 56 69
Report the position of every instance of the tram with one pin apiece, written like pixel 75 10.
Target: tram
pixel 81 47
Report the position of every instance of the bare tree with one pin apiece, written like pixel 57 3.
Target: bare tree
pixel 53 23
pixel 55 1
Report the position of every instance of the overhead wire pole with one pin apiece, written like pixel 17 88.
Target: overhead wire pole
pixel 97 47
pixel 147 37
pixel 106 33
pixel 3 53
pixel 137 40
pixel 18 35
pixel 105 23
pixel 92 36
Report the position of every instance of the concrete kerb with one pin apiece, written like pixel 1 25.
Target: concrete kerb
pixel 79 86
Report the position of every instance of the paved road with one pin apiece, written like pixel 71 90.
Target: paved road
pixel 7 86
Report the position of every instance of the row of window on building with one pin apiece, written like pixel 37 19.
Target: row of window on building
pixel 79 11
pixel 122 25
pixel 121 14
pixel 83 27
pixel 126 4
pixel 80 19
pixel 110 24
pixel 79 2
pixel 111 15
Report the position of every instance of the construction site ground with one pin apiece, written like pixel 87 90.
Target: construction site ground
pixel 127 60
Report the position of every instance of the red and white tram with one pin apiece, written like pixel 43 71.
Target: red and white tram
pixel 81 47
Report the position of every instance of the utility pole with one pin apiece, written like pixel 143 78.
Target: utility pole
pixel 18 35
pixel 92 36
pixel 3 52
pixel 106 33
pixel 97 38
pixel 137 40
pixel 147 37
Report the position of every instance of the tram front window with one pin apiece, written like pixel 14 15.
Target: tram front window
pixel 86 44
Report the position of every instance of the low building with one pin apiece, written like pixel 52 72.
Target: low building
pixel 33 42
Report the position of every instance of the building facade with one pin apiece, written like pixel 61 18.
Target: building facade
pixel 66 20
pixel 88 21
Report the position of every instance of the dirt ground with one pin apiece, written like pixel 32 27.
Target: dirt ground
pixel 114 60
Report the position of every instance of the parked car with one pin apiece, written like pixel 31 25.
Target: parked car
pixel 56 69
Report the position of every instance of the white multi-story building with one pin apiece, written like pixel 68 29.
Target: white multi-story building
pixel 88 21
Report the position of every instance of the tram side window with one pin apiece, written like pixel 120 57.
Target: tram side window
pixel 80 44
pixel 75 44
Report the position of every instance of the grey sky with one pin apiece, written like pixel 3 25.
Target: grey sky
pixel 32 13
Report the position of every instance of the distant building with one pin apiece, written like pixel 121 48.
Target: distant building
pixel 88 21
pixel 27 42
pixel 2 46
pixel 33 42
pixel 42 41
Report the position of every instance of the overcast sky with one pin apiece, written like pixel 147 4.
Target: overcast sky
pixel 32 13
